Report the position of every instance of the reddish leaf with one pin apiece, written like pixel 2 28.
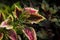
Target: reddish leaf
pixel 1 17
pixel 17 12
pixel 1 36
pixel 36 18
pixel 30 33
pixel 5 24
pixel 12 34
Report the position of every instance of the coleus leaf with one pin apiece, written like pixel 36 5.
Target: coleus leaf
pixel 12 34
pixel 30 33
pixel 10 17
pixel 1 36
pixel 17 12
pixel 5 24
pixel 35 18
pixel 2 17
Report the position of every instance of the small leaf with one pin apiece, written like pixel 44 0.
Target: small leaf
pixel 42 34
pixel 1 36
pixel 30 33
pixel 44 5
pixel 2 17
pixel 5 24
pixel 53 11
pixel 12 34
pixel 54 20
pixel 17 12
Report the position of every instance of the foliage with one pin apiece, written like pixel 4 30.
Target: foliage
pixel 22 18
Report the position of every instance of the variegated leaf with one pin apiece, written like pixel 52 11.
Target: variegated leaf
pixel 12 34
pixel 35 18
pixel 5 24
pixel 30 33
pixel 2 17
pixel 17 11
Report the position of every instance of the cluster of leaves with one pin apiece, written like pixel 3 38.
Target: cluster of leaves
pixel 20 21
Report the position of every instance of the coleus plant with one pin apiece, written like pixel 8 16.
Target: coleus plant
pixel 22 15
pixel 14 20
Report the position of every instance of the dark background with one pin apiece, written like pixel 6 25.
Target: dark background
pixel 10 2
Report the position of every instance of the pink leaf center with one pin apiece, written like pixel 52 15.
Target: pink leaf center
pixel 29 33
